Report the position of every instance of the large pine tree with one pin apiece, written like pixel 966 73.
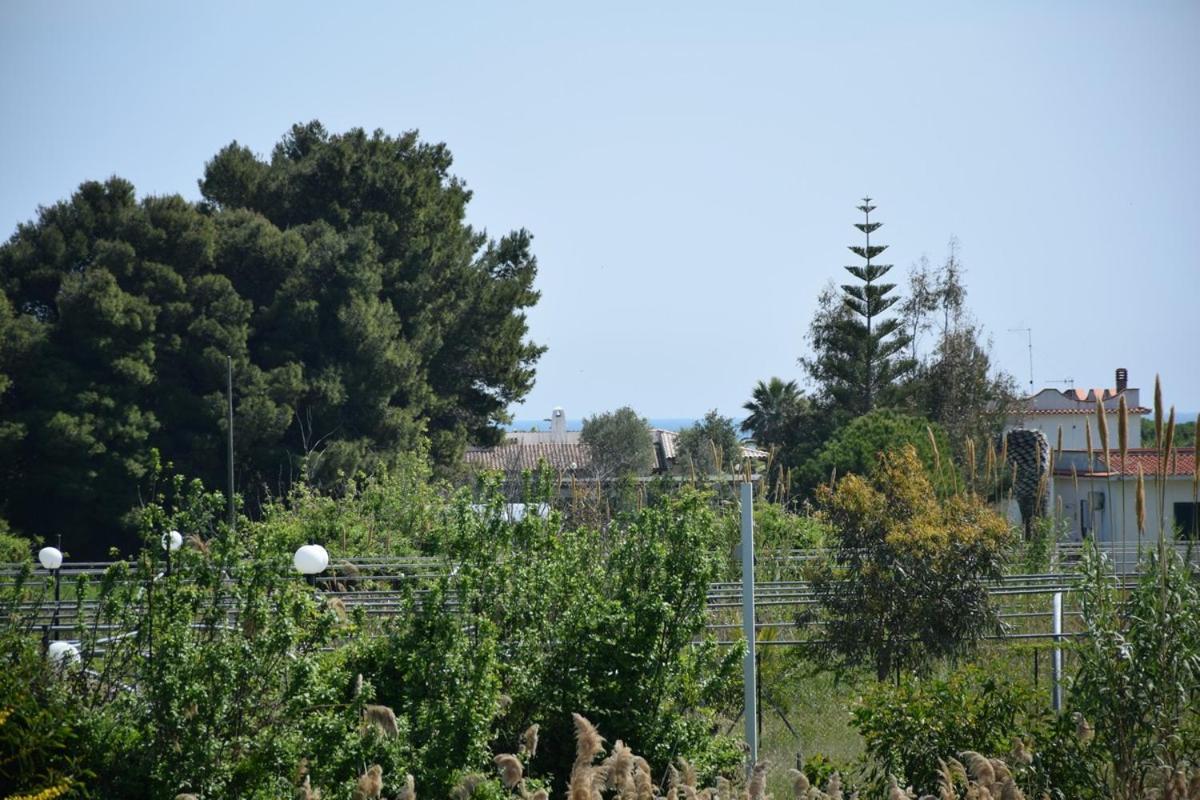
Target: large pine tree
pixel 858 358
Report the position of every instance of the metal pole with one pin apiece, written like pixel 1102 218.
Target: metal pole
pixel 232 513
pixel 749 676
pixel 1056 664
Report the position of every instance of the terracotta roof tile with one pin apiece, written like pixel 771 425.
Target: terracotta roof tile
pixel 1181 463
pixel 559 456
pixel 1138 410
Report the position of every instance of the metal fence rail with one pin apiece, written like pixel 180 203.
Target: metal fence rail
pixel 382 586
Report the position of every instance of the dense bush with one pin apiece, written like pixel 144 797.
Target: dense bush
pixel 910 727
pixel 1138 677
pixel 907 582
pixel 856 447
pixel 228 675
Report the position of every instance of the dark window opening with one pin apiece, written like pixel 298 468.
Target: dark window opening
pixel 1187 521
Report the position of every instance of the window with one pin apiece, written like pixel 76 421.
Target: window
pixel 1187 520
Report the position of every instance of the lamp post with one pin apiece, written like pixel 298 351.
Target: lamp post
pixel 52 558
pixel 171 541
pixel 310 560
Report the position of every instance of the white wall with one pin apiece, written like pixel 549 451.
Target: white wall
pixel 1118 521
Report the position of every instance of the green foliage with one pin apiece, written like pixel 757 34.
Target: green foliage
pixel 907 581
pixel 953 384
pixel 710 447
pixel 361 313
pixel 857 447
pixel 958 389
pixel 785 422
pixel 1138 676
pixel 13 548
pixel 235 671
pixel 620 442
pixel 908 727
pixel 38 734
pixel 858 356
pixel 1185 434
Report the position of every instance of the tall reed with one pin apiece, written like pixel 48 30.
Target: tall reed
pixel 1102 427
pixel 1123 446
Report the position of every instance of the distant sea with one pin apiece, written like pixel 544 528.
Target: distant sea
pixel 666 423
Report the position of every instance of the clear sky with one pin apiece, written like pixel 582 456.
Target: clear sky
pixel 690 170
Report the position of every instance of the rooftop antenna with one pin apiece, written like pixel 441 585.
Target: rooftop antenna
pixel 1070 382
pixel 1029 336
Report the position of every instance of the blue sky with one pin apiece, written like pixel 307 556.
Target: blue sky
pixel 690 170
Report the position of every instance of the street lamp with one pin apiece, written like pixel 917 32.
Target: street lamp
pixel 310 560
pixel 171 541
pixel 52 558
pixel 62 653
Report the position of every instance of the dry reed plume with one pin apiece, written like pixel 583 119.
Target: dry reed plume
pixel 1102 426
pixel 511 770
pixel 529 741
pixel 370 784
pixel 382 718
pixel 1140 501
pixel 758 781
pixel 408 791
pixel 467 786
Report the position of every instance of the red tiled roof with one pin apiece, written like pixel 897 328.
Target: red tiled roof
pixel 559 456
pixel 1181 463
pixel 1138 410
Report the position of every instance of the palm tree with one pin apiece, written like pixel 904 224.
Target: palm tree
pixel 773 407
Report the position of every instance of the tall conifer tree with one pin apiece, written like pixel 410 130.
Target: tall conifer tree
pixel 858 354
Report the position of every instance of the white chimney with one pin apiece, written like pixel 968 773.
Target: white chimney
pixel 558 424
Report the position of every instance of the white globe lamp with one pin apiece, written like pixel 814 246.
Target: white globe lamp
pixel 311 559
pixel 172 541
pixel 51 557
pixel 61 653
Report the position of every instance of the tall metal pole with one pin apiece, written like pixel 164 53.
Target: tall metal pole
pixel 1056 664
pixel 229 386
pixel 749 676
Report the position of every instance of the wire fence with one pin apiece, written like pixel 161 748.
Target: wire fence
pixel 383 586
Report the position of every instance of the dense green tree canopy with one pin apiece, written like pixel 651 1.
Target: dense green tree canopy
pixel 857 447
pixel 710 447
pixel 361 312
pixel 621 443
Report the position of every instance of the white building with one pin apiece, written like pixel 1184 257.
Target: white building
pixel 1100 499
pixel 1097 497
pixel 1074 410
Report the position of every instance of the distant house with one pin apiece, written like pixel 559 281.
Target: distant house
pixel 1072 410
pixel 563 451
pixel 1096 495
pixel 1099 498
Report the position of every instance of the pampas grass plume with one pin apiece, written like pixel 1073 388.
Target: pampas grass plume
pixel 1169 441
pixel 588 741
pixel 467 786
pixel 370 784
pixel 409 790
pixel 383 718
pixel 511 769
pixel 529 741
pixel 1140 501
pixel 1123 429
pixel 1102 427
pixel 758 780
pixel 800 784
pixel 1158 412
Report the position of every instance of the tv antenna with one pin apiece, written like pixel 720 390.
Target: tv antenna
pixel 1029 337
pixel 1070 382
